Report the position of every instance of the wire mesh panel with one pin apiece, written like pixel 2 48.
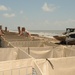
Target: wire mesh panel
pixel 20 71
pixel 34 71
pixel 27 43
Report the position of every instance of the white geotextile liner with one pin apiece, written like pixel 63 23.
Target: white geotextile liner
pixel 70 51
pixel 38 52
pixel 22 55
pixel 26 43
pixel 16 67
pixel 57 66
pixel 50 52
pixel 8 54
pixel 12 54
pixel 20 67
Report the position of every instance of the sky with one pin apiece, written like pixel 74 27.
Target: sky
pixel 37 14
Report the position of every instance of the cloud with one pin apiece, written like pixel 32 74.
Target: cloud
pixel 3 8
pixel 9 15
pixel 21 12
pixel 48 8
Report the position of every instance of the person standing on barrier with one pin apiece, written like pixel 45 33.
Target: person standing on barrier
pixel 24 33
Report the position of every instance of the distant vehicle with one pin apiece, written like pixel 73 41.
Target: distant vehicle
pixel 68 37
pixel 69 30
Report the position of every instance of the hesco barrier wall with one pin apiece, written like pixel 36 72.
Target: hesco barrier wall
pixel 18 67
pixel 12 54
pixel 27 43
pixel 14 61
pixel 59 66
pixel 19 57
pixel 50 52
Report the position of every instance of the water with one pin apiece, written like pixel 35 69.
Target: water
pixel 47 33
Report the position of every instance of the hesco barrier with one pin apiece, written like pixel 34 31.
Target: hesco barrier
pixel 19 67
pixel 27 43
pixel 12 54
pixel 14 61
pixel 49 52
pixel 18 57
pixel 59 66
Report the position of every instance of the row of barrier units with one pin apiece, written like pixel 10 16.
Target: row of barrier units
pixel 13 40
pixel 59 66
pixel 32 58
pixel 12 54
pixel 27 43
pixel 57 60
pixel 20 43
pixel 19 67
pixel 9 42
pixel 14 61
pixel 50 52
pixel 17 62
